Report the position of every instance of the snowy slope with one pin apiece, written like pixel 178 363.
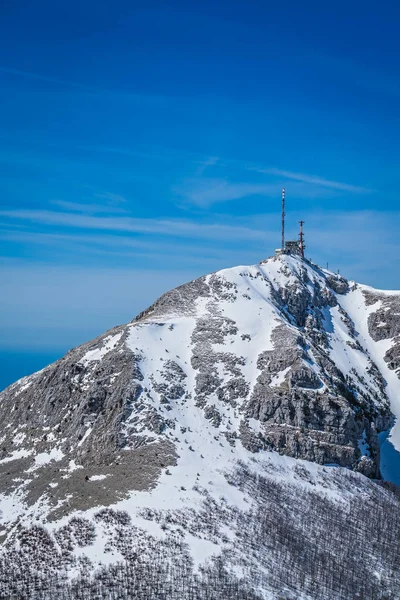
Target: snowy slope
pixel 171 435
pixel 361 303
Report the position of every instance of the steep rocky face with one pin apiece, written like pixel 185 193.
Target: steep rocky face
pixel 384 324
pixel 66 423
pixel 213 377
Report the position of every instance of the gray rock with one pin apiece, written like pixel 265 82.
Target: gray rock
pixel 338 284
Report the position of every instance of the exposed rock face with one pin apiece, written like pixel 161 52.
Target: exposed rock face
pixel 309 415
pixel 74 412
pixel 222 370
pixel 338 284
pixel 392 357
pixel 384 324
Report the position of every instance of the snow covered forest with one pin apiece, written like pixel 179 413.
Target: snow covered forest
pixel 295 543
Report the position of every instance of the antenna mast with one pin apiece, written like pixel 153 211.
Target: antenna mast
pixel 301 239
pixel 283 219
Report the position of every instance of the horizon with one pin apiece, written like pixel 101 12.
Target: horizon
pixel 144 146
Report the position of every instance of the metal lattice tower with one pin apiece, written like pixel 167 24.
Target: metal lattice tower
pixel 302 245
pixel 283 219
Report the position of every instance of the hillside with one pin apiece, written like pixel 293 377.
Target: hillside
pixel 224 444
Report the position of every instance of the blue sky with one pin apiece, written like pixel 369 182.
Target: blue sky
pixel 143 144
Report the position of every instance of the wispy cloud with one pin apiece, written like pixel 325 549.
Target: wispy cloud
pixel 88 208
pixel 204 192
pixel 315 180
pixel 204 162
pixel 105 202
pixel 211 161
pixel 167 227
pixel 111 197
pixel 110 243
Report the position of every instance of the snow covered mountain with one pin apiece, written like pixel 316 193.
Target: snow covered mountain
pixel 224 444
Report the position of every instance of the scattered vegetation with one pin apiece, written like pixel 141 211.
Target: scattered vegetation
pixel 292 542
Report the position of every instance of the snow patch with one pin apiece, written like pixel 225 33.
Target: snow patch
pixel 363 445
pixel 109 344
pixel 44 458
pixel 16 455
pixel 86 435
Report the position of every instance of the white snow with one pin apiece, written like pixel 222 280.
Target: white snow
pixel 72 466
pixel 201 550
pixel 109 344
pixel 85 435
pixel 98 552
pixel 15 455
pixel 363 446
pixel 19 438
pixel 278 379
pixel 11 507
pixel 44 458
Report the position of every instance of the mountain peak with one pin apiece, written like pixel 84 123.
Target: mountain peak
pixel 249 369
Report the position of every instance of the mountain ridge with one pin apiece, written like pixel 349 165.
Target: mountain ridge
pixel 274 370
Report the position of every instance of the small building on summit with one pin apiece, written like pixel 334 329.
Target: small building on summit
pixel 292 247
